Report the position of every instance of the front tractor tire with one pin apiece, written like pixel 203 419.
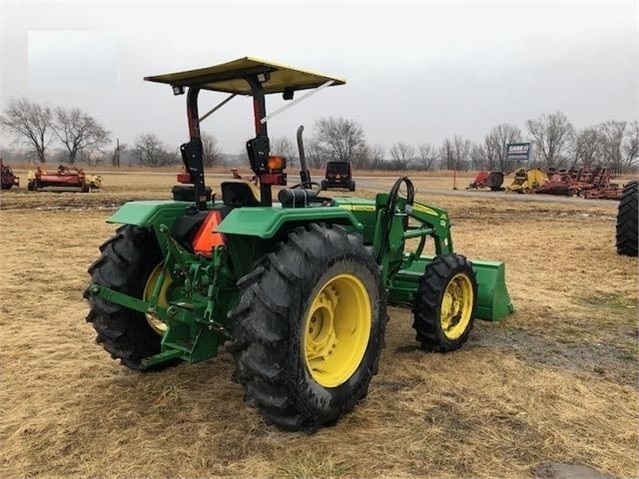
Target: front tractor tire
pixel 309 328
pixel 444 304
pixel 128 261
pixel 628 220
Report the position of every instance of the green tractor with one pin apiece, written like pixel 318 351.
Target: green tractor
pixel 297 290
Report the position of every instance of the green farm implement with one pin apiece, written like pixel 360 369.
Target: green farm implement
pixel 296 290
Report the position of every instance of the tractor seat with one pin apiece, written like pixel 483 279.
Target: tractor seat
pixel 239 193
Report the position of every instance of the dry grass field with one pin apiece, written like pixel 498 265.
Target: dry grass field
pixel 556 381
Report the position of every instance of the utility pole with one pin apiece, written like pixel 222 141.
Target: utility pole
pixel 116 154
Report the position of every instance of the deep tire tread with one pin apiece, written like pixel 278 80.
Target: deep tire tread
pixel 426 307
pixel 263 324
pixel 127 260
pixel 628 220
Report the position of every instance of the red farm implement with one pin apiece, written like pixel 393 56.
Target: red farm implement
pixel 590 183
pixel 7 178
pixel 486 179
pixel 63 179
pixel 560 182
pixel 599 186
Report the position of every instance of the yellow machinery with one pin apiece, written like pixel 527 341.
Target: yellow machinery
pixel 526 181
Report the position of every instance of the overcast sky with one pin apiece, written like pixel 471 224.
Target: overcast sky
pixel 416 72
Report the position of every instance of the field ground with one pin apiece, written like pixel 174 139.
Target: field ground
pixel 556 381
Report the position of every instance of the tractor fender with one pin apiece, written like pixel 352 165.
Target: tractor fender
pixel 265 222
pixel 149 213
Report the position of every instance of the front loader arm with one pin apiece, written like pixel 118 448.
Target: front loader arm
pixel 435 223
pixel 392 229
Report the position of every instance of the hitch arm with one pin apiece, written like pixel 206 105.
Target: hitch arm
pixel 119 298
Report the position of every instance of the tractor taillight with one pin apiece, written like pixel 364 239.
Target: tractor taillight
pixel 205 238
pixel 276 163
pixel 184 178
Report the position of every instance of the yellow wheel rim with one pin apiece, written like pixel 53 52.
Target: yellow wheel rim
pixel 457 306
pixel 337 329
pixel 154 321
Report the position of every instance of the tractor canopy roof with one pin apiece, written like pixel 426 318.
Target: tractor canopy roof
pixel 230 77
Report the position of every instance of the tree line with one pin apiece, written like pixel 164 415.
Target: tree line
pixel 82 138
pixel 38 127
pixel 555 143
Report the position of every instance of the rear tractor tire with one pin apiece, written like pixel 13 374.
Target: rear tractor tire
pixel 31 185
pixel 627 220
pixel 309 327
pixel 444 304
pixel 129 264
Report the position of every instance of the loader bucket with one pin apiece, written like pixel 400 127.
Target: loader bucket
pixel 493 301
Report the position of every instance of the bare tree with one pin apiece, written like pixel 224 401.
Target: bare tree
pixel 427 156
pixel 283 146
pixel 551 137
pixel 588 147
pixel 478 156
pixel 92 155
pixel 631 147
pixel 314 154
pixel 365 155
pixel 401 154
pixel 30 124
pixel 462 152
pixel 492 152
pixel 446 153
pixel 455 153
pixel 613 136
pixel 211 153
pixel 150 151
pixel 362 156
pixel 620 144
pixel 496 142
pixel 376 156
pixel 78 131
pixel 339 139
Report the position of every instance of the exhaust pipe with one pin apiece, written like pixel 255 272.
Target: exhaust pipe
pixel 305 175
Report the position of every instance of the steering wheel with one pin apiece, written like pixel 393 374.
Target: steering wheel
pixel 391 206
pixel 305 183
